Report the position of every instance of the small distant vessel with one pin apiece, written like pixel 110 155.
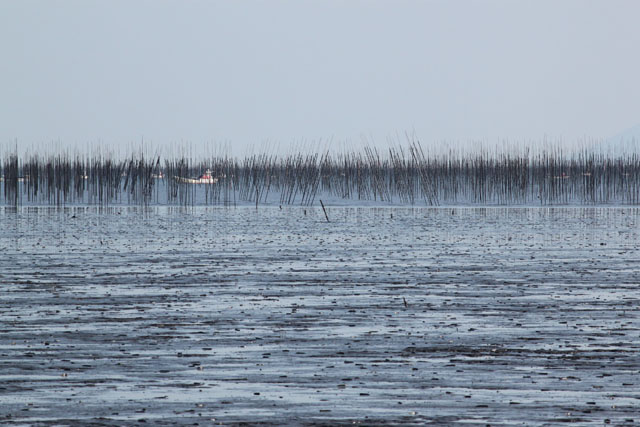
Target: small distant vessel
pixel 20 178
pixel 205 178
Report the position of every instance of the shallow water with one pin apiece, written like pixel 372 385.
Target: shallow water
pixel 382 315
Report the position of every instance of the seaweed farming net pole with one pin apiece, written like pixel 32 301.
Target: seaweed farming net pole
pixel 428 190
pixel 10 172
pixel 548 177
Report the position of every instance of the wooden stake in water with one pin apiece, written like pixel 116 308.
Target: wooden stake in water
pixel 324 210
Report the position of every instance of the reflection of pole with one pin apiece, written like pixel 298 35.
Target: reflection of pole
pixel 325 211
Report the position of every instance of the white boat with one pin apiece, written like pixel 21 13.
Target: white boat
pixel 205 178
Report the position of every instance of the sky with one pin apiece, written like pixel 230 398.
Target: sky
pixel 269 74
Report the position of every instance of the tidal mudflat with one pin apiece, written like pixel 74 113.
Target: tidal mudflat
pixel 121 315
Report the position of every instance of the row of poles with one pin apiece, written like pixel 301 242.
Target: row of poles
pixel 405 175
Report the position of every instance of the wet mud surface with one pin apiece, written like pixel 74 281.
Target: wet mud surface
pixel 382 316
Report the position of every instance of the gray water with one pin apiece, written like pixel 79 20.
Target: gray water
pixel 382 315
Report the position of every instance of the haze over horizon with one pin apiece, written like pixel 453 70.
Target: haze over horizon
pixel 281 73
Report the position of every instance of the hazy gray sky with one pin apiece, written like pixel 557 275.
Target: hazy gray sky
pixel 245 72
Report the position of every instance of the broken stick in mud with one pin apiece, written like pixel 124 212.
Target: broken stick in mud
pixel 324 210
